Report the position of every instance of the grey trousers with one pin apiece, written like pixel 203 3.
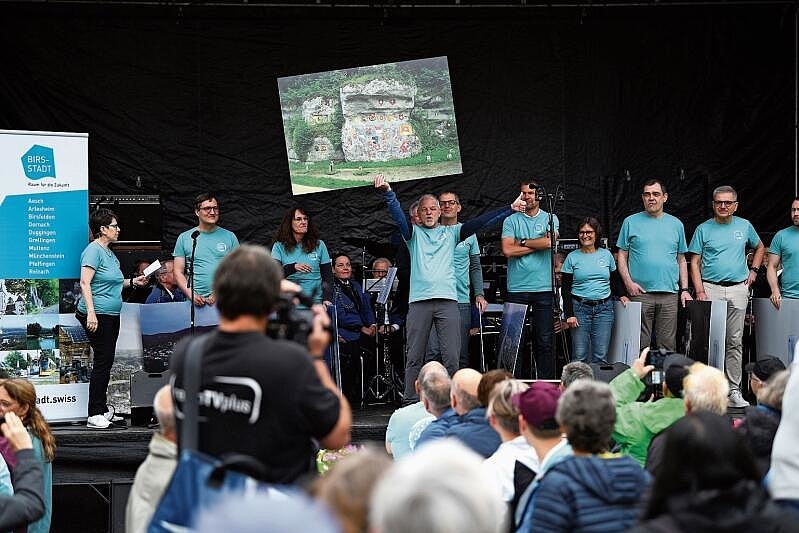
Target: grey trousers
pixel 434 347
pixel 422 317
pixel 659 308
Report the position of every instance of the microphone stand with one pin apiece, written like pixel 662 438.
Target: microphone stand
pixel 194 236
pixel 550 199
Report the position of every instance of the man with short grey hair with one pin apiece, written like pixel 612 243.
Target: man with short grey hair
pixel 404 419
pixel 574 371
pixel 719 272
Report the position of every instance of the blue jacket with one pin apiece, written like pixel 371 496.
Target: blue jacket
pixel 438 428
pixel 593 494
pixel 351 317
pixel 474 431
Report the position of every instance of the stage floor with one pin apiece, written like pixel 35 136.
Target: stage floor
pixel 99 456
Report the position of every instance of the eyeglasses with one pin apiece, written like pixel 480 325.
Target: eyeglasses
pixel 115 226
pixel 445 203
pixel 300 219
pixel 724 203
pixel 586 232
pixel 210 209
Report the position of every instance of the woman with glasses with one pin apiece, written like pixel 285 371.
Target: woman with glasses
pixel 18 396
pixel 303 254
pixel 101 283
pixel 589 278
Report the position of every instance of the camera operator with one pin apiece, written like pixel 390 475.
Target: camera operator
pixel 270 399
pixel 638 422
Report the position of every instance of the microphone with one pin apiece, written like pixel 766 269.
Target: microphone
pixel 195 234
pixel 540 193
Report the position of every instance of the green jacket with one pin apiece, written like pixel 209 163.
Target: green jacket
pixel 638 422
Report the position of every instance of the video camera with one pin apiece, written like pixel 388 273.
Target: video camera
pixel 290 322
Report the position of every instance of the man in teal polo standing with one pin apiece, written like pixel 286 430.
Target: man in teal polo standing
pixel 652 265
pixel 785 249
pixel 213 244
pixel 719 272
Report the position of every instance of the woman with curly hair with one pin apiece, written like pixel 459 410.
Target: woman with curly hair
pixel 19 397
pixel 303 254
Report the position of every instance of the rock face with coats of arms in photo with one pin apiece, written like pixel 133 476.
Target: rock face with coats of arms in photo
pixel 376 121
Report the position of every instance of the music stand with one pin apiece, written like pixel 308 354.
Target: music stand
pixel 388 379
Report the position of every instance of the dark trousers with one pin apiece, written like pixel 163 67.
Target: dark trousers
pixel 104 343
pixel 541 316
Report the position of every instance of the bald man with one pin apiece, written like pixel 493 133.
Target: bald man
pixel 470 426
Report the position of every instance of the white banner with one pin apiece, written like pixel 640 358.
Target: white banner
pixel 776 330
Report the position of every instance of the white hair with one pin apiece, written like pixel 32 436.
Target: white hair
pixel 442 487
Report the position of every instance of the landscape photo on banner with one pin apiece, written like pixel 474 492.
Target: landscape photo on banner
pixel 342 127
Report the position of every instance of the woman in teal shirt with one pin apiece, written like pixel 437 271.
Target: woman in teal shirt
pixel 101 283
pixel 589 277
pixel 304 256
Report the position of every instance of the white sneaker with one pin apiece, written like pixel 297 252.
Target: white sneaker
pixel 98 422
pixel 112 416
pixel 736 399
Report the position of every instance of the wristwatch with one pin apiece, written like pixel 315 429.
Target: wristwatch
pixel 523 242
pixel 682 290
pixel 753 269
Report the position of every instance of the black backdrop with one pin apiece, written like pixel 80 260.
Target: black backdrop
pixel 595 100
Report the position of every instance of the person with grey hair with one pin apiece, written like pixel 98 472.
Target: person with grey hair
pixel 470 425
pixel 760 422
pixel 433 300
pixel 441 488
pixel 404 419
pixel 153 475
pixel 503 417
pixel 704 389
pixel 273 400
pixel 592 490
pixel 719 272
pixel 574 371
pixel 166 289
pixel 435 387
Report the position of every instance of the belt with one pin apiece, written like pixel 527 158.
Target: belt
pixel 723 283
pixel 592 303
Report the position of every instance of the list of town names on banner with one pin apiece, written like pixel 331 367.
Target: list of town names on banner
pixel 42 237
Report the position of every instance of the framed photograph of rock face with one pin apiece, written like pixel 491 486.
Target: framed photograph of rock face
pixel 344 126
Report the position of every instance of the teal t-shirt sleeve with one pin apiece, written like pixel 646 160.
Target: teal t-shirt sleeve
pixel 556 223
pixel 324 256
pixel 507 228
pixel 623 240
pixel 91 257
pixel 180 247
pixel 278 253
pixel 611 261
pixel 568 265
pixel 682 246
pixel 696 241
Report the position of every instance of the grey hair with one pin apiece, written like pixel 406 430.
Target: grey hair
pixel 442 487
pixel 435 385
pixel 705 388
pixel 587 411
pixel 725 189
pixel 773 389
pixel 500 404
pixel 574 371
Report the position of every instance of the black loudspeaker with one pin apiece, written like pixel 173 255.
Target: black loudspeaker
pixel 139 216
pixel 606 372
pixel 143 386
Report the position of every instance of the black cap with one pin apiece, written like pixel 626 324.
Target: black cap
pixel 765 367
pixel 675 368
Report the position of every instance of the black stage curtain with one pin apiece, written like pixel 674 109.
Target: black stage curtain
pixel 595 100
